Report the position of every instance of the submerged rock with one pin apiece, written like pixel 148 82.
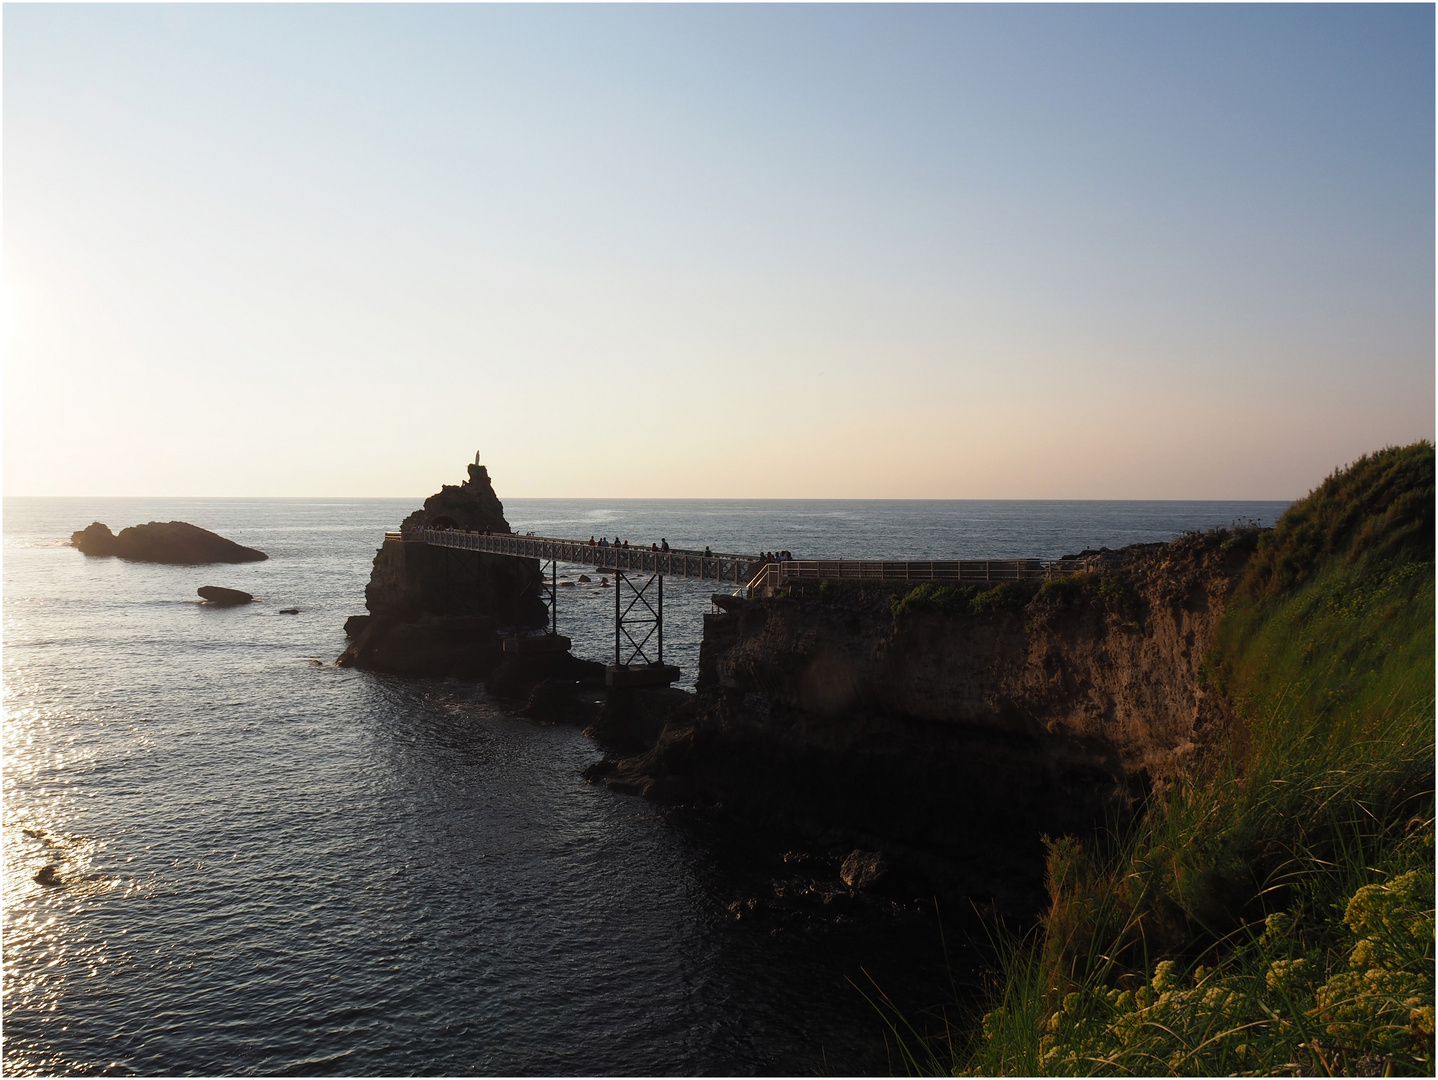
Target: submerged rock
pixel 176 542
pixel 215 594
pixel 49 876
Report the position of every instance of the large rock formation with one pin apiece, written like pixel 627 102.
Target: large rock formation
pixel 471 505
pixel 951 730
pixel 175 542
pixel 441 611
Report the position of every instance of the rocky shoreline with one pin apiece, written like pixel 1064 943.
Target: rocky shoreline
pixel 887 743
pixel 949 739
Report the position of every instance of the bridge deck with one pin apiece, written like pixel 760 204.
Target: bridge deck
pixel 746 570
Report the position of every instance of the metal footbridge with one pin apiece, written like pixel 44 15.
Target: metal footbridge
pixel 640 569
pixel 751 572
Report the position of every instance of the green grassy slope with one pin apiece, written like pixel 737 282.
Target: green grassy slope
pixel 1272 911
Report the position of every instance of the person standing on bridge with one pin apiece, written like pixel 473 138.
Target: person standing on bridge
pixel 707 552
pixel 591 540
pixel 664 543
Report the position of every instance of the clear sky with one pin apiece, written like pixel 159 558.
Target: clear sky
pixel 910 252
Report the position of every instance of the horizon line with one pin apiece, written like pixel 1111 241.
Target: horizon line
pixel 671 498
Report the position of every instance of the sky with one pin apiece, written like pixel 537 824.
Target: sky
pixel 1067 252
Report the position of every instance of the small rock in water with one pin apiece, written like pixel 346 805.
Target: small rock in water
pixel 289 611
pixel 49 875
pixel 584 579
pixel 224 597
pixel 604 583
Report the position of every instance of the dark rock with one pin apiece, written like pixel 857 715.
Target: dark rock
pixel 49 877
pixel 289 611
pixel 584 579
pixel 863 869
pixel 550 700
pixel 633 717
pixel 356 625
pixel 471 505
pixel 598 771
pixel 444 646
pixel 224 597
pixel 412 582
pixel 726 602
pixel 518 673
pixel 175 542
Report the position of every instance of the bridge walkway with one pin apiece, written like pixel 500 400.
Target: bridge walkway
pixel 750 572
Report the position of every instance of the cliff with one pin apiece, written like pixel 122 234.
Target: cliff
pixel 1271 915
pixel 438 611
pixel 952 728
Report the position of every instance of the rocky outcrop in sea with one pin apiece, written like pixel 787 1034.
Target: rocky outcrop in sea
pixel 438 611
pixel 175 542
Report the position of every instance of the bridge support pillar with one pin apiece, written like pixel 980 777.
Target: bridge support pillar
pixel 639 623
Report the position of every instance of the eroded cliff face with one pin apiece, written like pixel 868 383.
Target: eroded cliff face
pixel 438 611
pixel 954 740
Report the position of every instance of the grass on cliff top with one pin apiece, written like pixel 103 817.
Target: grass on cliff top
pixel 1272 912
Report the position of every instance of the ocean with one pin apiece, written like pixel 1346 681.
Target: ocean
pixel 273 865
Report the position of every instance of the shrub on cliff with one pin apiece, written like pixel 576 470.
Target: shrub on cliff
pixel 958 601
pixel 1273 911
pixel 1067 591
pixel 1379 509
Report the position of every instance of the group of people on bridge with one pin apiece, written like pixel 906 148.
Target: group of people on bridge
pixel 775 556
pixel 662 546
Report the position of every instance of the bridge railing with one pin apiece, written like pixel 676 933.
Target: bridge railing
pixel 776 575
pixel 715 566
pixel 759 577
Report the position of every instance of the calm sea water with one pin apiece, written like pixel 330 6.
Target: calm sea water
pixel 273 865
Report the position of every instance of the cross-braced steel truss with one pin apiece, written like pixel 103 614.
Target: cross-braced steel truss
pixel 638 614
pixel 546 587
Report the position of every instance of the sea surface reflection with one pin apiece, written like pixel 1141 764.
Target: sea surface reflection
pixel 269 864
